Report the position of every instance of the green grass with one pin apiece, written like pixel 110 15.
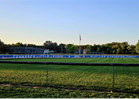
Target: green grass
pixel 83 77
pixel 22 92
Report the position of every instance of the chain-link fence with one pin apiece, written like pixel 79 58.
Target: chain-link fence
pixel 91 76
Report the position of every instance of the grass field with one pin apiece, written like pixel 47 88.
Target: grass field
pixel 84 77
pixel 20 92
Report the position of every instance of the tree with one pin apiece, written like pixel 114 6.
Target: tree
pixel 99 49
pixel 30 45
pixel 18 44
pixel 1 43
pixel 103 48
pixel 124 46
pixel 50 45
pixel 108 48
pixel 1 46
pixel 137 47
pixel 77 47
pixel 119 51
pixel 4 48
pixel 68 46
pixel 95 48
pixel 131 49
pixel 108 51
pixel 61 48
pixel 72 49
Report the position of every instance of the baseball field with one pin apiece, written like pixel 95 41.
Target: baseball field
pixel 77 78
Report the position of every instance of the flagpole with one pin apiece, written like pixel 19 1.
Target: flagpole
pixel 79 43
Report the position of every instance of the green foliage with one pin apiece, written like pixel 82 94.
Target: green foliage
pixel 72 49
pixel 55 47
pixel 61 48
pixel 124 47
pixel 19 44
pixel 137 47
pixel 4 48
pixel 119 51
pixel 99 49
pixel 50 45
pixel 1 43
pixel 132 49
pixel 108 48
pixel 68 46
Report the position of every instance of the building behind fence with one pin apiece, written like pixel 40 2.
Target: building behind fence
pixel 27 50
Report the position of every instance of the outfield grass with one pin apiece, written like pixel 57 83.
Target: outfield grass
pixel 83 77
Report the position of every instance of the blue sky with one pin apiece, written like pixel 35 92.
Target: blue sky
pixel 61 21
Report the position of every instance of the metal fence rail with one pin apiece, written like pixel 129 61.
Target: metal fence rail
pixel 61 63
pixel 72 64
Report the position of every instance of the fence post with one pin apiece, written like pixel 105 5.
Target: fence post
pixel 113 78
pixel 47 76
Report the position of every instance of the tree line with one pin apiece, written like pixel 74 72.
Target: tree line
pixel 108 48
